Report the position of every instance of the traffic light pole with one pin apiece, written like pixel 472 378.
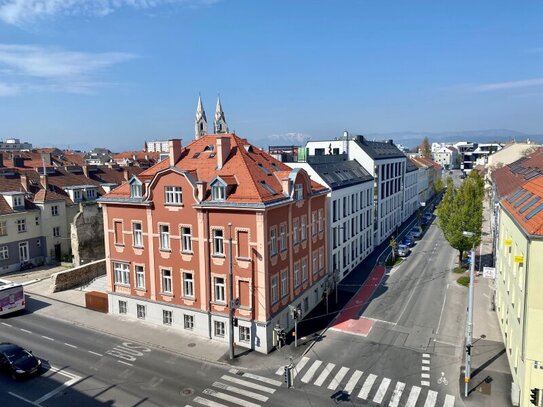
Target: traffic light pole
pixel 469 330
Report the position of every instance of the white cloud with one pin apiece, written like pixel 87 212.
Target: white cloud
pixel 526 83
pixel 291 138
pixel 35 68
pixel 18 12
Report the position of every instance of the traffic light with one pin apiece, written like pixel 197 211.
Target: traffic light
pixel 287 376
pixel 468 349
pixel 535 396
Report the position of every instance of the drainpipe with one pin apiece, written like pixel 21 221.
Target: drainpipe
pixel 209 242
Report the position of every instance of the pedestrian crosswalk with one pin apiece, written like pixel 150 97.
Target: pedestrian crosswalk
pixel 367 386
pixel 238 388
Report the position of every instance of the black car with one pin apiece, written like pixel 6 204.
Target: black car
pixel 18 362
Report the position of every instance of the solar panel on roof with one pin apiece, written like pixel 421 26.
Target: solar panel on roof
pixel 527 206
pixel 532 174
pixel 515 195
pixel 524 199
pixel 534 212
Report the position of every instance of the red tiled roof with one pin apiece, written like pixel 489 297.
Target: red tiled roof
pixel 529 210
pixel 508 178
pixel 252 167
pixel 44 195
pixel 4 206
pixel 419 161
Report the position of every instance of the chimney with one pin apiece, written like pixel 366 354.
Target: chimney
pixel 24 181
pixel 390 141
pixel 175 151
pixel 223 150
pixel 126 174
pixel 43 181
pixel 85 169
pixel 201 189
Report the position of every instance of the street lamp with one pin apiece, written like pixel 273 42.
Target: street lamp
pixel 469 328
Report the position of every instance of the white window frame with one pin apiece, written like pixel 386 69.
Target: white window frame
pixel 219 289
pixel 321 220
pixel 274 290
pixel 54 210
pixel 164 237
pixel 137 234
pixel 297 279
pixel 173 195
pixel 218 242
pixel 299 192
pixel 282 237
pixel 139 273
pixel 295 231
pixel 244 334
pixel 284 283
pixel 24 254
pixel 17 201
pixel 56 231
pixel 91 194
pixel 186 239
pixel 141 311
pixel 305 273
pixel 273 241
pixel 4 253
pixel 167 317
pixel 188 321
pixel 21 225
pixel 121 273
pixel 135 190
pixel 123 307
pixel 321 258
pixel 315 262
pixel 313 223
pixel 166 281
pixel 303 228
pixel 188 284
pixel 220 329
pixel 218 192
pixel 3 228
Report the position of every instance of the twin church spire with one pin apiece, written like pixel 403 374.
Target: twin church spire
pixel 200 123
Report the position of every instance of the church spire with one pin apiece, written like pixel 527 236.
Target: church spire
pixel 219 124
pixel 200 124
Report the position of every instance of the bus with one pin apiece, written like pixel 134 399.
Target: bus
pixel 12 297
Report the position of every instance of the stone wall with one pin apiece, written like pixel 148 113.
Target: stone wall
pixel 64 280
pixel 87 234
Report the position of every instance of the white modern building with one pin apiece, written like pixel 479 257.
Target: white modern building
pixel 447 157
pixel 14 144
pixel 386 163
pixel 410 195
pixel 160 146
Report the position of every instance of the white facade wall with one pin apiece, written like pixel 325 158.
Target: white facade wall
pixel 50 221
pixel 160 146
pixel 423 184
pixel 411 195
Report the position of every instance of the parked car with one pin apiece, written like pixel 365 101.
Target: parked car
pixel 416 232
pixel 408 241
pixel 18 362
pixel 403 250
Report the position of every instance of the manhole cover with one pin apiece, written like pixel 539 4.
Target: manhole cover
pixel 187 392
pixel 191 345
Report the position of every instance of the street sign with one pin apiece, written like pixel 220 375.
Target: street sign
pixel 508 242
pixel 519 259
pixel 489 272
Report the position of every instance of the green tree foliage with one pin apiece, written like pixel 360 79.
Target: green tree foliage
pixel 438 186
pixel 425 149
pixel 462 210
pixel 394 246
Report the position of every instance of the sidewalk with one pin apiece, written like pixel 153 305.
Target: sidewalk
pixel 69 306
pixel 489 360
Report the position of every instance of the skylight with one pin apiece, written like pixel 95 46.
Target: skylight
pixel 524 199
pixel 529 204
pixel 267 187
pixel 534 212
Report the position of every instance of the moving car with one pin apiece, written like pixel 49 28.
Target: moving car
pixel 18 362
pixel 403 250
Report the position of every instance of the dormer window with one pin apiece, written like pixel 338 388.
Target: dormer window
pixel 91 193
pixel 210 147
pixel 218 192
pixel 299 192
pixel 17 200
pixel 135 188
pixel 77 195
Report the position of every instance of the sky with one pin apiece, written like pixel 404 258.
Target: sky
pixel 114 73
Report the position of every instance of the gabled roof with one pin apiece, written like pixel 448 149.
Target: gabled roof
pixel 509 177
pixel 410 165
pixel 420 161
pixel 250 168
pixel 379 150
pixel 5 209
pixel 525 205
pixel 342 174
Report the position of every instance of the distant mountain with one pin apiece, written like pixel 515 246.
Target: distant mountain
pixel 412 139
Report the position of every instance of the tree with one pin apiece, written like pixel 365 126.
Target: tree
pixel 438 186
pixel 394 246
pixel 462 210
pixel 425 149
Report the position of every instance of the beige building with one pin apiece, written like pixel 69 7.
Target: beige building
pixel 519 281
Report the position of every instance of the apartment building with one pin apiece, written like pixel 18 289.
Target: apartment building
pixel 411 200
pixel 519 254
pixel 349 208
pixel 386 163
pixel 174 232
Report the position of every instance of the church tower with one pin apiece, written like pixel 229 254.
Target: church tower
pixel 200 124
pixel 219 124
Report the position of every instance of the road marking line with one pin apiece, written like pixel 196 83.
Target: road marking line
pixel 413 396
pixel 337 379
pixel 381 391
pixel 425 375
pixel 95 353
pixel 442 309
pixel 449 401
pixel 60 388
pixel 31 281
pixel 367 386
pixel 70 345
pixel 3 323
pixel 303 361
pixel 425 362
pixel 46 337
pixel 207 402
pixel 311 372
pixel 425 355
pixel 248 384
pixel 431 399
pixel 426 368
pixel 227 397
pixel 125 363
pixel 237 390
pixel 259 378
pixel 448 343
pixel 324 374
pixel 25 330
pixel 22 398
pixel 395 399
pixel 349 387
pixel 280 371
pixel 424 383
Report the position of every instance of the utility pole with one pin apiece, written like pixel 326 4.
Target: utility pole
pixel 469 328
pixel 295 315
pixel 231 297
pixel 336 281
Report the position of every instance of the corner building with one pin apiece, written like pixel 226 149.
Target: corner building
pixel 169 233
